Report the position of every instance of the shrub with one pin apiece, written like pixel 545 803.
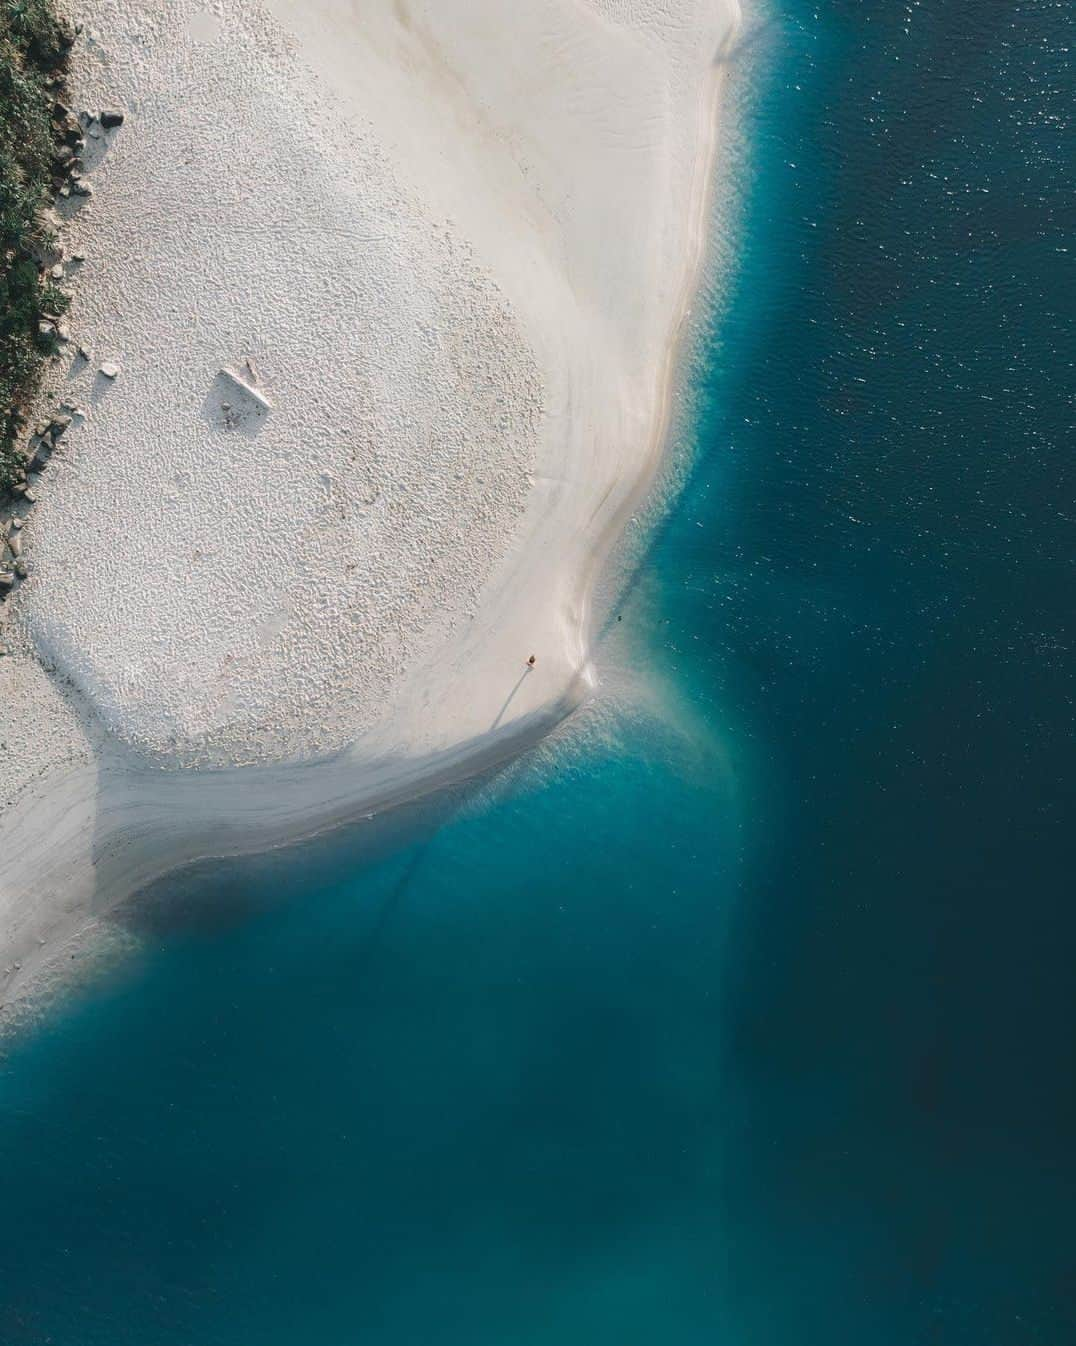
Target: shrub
pixel 33 50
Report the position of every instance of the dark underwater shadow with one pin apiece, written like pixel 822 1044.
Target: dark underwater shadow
pixel 219 894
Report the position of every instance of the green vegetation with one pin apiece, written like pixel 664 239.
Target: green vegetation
pixel 34 43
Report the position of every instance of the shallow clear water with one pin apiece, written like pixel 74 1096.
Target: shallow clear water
pixel 744 1021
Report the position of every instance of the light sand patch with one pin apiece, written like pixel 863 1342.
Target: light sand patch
pixel 204 26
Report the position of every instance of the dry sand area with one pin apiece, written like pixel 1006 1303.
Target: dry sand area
pixel 450 243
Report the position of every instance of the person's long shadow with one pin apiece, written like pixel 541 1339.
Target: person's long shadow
pixel 508 700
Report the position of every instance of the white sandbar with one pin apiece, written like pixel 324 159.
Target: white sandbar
pixel 447 247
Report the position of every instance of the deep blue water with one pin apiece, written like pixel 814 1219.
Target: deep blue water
pixel 749 1026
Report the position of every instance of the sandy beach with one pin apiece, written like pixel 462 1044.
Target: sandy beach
pixel 395 291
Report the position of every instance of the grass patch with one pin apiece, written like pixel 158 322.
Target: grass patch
pixel 34 42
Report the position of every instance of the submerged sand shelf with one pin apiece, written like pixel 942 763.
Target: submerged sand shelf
pixel 395 289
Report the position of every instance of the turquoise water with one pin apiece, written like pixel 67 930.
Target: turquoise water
pixel 744 1016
